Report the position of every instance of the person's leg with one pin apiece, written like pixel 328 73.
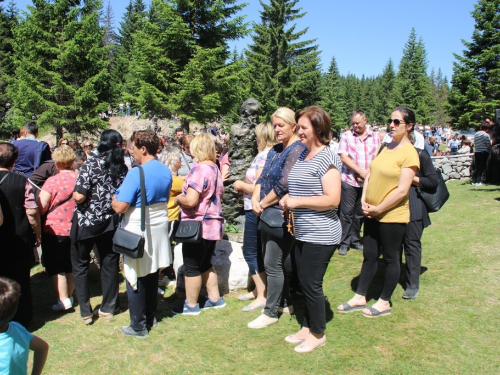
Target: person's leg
pixel 53 256
pixel 391 239
pixel 137 304
pixel 68 269
pixel 192 254
pixel 346 212
pixel 357 220
pixel 80 259
pixel 369 266
pixel 315 260
pixel 251 247
pixel 277 249
pixel 109 272
pixel 413 255
pixel 208 274
pixel 151 285
pixel 483 157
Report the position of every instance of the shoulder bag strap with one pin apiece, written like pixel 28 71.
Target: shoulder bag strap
pixel 212 198
pixel 59 204
pixel 143 200
pixel 381 148
pixel 4 177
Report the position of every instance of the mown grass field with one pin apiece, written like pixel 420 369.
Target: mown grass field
pixel 451 328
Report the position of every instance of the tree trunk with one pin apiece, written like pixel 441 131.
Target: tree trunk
pixel 185 125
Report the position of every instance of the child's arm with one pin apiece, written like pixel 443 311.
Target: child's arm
pixel 40 349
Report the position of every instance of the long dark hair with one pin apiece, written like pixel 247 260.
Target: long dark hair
pixel 110 148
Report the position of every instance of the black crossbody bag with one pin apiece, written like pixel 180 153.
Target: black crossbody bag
pixel 129 243
pixel 190 231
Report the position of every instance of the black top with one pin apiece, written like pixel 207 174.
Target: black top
pixel 428 182
pixel 15 223
pixel 95 182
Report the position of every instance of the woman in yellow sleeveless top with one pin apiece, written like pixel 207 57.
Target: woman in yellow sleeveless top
pixel 386 209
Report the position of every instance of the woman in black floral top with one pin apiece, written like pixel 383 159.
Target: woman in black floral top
pixel 94 223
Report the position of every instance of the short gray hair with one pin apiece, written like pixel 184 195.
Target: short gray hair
pixel 170 156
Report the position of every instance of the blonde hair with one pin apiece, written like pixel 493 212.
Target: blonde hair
pixel 202 148
pixel 286 114
pixel 64 155
pixel 265 135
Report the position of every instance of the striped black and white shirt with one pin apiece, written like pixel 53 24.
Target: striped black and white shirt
pixel 304 180
pixel 481 141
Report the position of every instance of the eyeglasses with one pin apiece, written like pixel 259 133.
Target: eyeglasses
pixel 88 146
pixel 396 121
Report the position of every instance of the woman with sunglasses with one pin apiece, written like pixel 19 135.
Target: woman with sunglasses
pixel 385 205
pixel 314 196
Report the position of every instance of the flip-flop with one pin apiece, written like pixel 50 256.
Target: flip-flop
pixel 348 308
pixel 375 313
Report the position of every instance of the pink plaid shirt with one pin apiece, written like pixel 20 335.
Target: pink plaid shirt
pixel 362 152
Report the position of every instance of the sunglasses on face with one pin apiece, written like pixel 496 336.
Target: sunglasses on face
pixel 64 143
pixel 88 146
pixel 396 121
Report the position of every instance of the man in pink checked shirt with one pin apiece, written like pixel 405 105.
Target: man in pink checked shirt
pixel 357 148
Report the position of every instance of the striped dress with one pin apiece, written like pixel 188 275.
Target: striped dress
pixel 304 180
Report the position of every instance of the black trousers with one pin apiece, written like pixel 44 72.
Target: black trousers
pixel 80 259
pixel 389 236
pixel 143 301
pixel 413 253
pixel 350 214
pixel 480 159
pixel 312 262
pixel 15 264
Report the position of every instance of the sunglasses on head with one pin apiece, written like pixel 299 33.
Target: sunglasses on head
pixel 396 121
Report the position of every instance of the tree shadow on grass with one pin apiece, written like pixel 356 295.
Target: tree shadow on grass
pixel 43 297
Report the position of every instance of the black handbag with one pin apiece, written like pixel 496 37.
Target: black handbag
pixel 190 231
pixel 272 222
pixel 436 199
pixel 129 243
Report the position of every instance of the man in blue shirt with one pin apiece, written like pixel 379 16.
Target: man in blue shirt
pixel 32 152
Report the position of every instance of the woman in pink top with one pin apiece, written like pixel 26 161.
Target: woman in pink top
pixel 203 182
pixel 55 201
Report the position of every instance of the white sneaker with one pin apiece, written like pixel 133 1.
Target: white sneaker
pixel 166 282
pixel 262 322
pixel 63 305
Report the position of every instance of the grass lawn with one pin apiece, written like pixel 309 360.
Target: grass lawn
pixel 451 328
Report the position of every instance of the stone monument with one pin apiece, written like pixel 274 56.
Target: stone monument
pixel 242 151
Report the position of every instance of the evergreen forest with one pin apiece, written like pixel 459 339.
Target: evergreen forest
pixel 66 61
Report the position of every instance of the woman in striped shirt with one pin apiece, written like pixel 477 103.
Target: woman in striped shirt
pixel 314 195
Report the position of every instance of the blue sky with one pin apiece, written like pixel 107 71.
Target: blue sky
pixel 363 35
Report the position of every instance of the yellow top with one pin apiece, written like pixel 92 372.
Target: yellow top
pixel 173 209
pixel 385 170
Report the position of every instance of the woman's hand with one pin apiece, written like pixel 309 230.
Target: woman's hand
pixel 256 207
pixel 287 203
pixel 369 210
pixel 239 186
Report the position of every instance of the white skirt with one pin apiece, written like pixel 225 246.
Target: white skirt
pixel 157 252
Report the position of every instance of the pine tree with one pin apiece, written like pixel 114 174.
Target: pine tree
pixel 440 91
pixel 212 24
pixel 278 61
pixel 133 22
pixel 157 57
pixel 351 89
pixel 475 91
pixel 332 96
pixel 8 21
pixel 61 66
pixel 384 91
pixel 413 86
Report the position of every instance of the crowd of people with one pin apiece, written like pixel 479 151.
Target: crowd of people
pixel 70 200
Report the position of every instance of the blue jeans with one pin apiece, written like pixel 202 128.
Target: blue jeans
pixel 252 251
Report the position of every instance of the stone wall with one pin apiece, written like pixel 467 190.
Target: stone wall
pixel 454 167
